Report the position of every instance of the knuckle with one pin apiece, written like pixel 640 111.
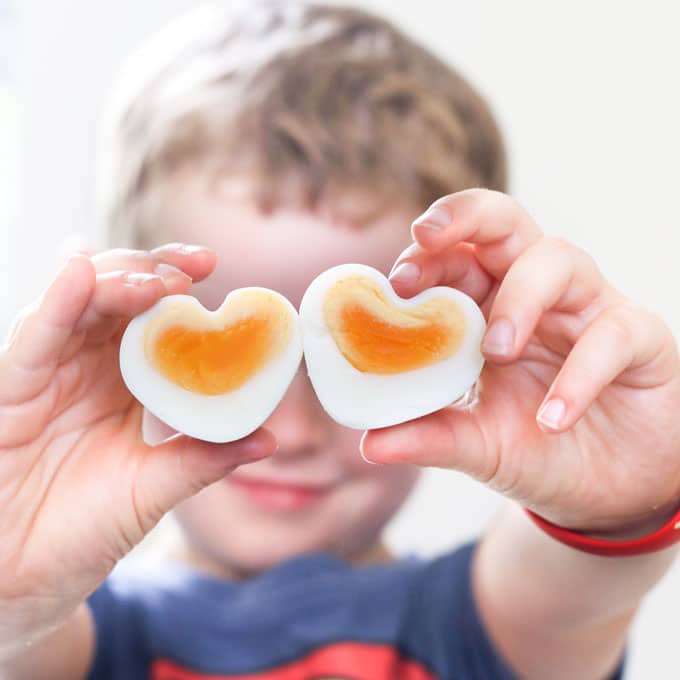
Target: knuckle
pixel 472 200
pixel 585 259
pixel 499 202
pixel 483 194
pixel 507 201
pixel 556 243
pixel 617 321
pixel 559 247
pixel 572 256
pixel 490 200
pixel 129 299
pixel 633 315
pixel 657 323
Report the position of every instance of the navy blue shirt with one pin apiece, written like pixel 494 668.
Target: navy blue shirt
pixel 314 617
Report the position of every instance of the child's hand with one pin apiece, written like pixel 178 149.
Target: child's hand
pixel 578 416
pixel 78 486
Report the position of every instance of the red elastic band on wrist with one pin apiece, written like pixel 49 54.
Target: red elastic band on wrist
pixel 662 538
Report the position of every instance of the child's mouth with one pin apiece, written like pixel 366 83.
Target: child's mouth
pixel 277 495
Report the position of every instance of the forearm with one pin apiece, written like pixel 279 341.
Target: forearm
pixel 64 654
pixel 554 611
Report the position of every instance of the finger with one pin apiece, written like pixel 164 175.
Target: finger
pixel 499 227
pixel 181 466
pixel 124 294
pixel 76 302
pixel 195 261
pixel 550 275
pixel 450 438
pixel 622 344
pixel 29 358
pixel 417 270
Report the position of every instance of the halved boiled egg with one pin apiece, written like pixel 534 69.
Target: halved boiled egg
pixel 376 359
pixel 215 376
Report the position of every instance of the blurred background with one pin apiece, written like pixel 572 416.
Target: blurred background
pixel 586 93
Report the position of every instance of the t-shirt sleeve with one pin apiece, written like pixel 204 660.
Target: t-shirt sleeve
pixel 445 625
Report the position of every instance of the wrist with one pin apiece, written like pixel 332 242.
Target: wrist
pixel 652 533
pixel 58 651
pixel 634 529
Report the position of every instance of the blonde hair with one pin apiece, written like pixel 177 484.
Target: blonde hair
pixel 330 97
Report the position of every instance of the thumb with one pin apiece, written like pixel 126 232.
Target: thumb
pixel 450 438
pixel 181 466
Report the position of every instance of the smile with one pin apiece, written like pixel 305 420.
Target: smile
pixel 279 495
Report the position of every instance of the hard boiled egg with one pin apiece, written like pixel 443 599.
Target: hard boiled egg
pixel 376 359
pixel 215 376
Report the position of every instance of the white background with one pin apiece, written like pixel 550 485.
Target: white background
pixel 586 92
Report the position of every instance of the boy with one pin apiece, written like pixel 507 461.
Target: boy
pixel 287 140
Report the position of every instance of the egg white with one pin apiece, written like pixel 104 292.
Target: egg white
pixel 368 401
pixel 216 418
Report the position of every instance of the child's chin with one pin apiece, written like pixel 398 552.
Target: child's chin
pixel 254 562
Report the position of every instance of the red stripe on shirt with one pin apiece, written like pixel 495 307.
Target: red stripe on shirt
pixel 339 661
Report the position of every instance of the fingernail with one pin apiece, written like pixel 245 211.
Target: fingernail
pixel 191 249
pixel 437 217
pixel 262 445
pixel 361 450
pixel 171 274
pixel 138 279
pixel 259 453
pixel 499 338
pixel 552 413
pixel 185 248
pixel 406 272
pixel 73 257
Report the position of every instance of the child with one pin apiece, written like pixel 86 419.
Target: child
pixel 284 141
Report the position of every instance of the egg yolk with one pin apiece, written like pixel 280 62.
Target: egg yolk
pixel 213 361
pixel 378 346
pixel 377 337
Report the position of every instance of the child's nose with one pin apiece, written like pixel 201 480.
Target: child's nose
pixel 299 423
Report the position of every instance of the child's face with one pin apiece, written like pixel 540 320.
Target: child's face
pixel 316 492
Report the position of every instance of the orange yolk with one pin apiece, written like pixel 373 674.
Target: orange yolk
pixel 373 345
pixel 214 361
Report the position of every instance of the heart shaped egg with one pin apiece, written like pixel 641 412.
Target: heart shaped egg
pixel 376 359
pixel 216 375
